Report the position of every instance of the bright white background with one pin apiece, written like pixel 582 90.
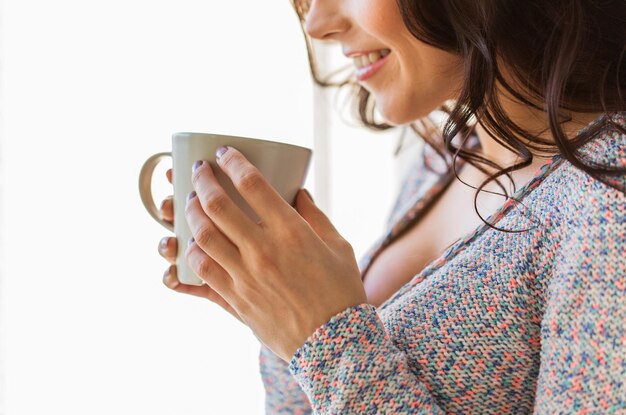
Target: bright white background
pixel 88 90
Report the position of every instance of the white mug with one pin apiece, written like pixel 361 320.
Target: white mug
pixel 284 165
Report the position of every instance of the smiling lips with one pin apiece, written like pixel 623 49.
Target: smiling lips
pixel 368 64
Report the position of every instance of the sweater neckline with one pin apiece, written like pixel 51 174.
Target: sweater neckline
pixel 454 249
pixel 544 171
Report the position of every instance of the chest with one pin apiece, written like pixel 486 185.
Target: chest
pixel 448 218
pixel 482 323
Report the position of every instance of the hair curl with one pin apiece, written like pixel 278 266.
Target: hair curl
pixel 563 56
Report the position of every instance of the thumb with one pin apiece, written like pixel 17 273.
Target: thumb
pixel 315 217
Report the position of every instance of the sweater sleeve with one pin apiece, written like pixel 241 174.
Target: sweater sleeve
pixel 351 366
pixel 283 395
pixel 583 344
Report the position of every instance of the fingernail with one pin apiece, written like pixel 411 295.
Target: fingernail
pixel 309 195
pixel 168 280
pixel 191 195
pixel 163 244
pixel 190 242
pixel 196 165
pixel 220 152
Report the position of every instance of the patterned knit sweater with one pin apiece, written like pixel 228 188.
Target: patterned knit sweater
pixel 501 323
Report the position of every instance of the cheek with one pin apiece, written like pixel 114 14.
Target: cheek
pixel 380 19
pixel 420 84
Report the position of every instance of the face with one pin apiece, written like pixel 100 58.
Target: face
pixel 407 78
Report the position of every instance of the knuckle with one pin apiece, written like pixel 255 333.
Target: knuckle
pixel 216 204
pixel 292 232
pixel 263 261
pixel 344 245
pixel 205 237
pixel 250 180
pixel 204 267
pixel 200 264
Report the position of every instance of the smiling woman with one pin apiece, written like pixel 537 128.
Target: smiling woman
pixel 411 80
pixel 518 308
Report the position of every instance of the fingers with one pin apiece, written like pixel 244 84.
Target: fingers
pixel 209 271
pixel 211 239
pixel 167 209
pixel 213 202
pixel 317 219
pixel 170 279
pixel 255 188
pixel 168 248
pixel 167 206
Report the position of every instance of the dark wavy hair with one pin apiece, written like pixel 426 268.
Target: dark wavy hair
pixel 567 54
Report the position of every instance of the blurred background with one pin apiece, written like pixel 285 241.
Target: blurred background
pixel 88 90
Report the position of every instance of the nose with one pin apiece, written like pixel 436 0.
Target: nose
pixel 325 20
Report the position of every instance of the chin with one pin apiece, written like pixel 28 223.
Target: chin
pixel 401 113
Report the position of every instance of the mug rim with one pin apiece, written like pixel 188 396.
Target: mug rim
pixel 187 134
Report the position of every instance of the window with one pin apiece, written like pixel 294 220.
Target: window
pixel 90 89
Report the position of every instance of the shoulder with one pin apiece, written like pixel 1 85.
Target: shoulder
pixel 579 218
pixel 589 266
pixel 591 213
pixel 608 150
pixel 573 189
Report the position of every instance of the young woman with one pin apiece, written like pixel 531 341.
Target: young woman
pixel 500 286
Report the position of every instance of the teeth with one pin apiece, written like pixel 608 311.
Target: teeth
pixel 374 56
pixel 365 60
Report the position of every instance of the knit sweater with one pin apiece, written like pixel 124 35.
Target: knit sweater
pixel 523 322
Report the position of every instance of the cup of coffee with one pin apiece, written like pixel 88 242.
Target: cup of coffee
pixel 284 166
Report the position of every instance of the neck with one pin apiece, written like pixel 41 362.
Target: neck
pixel 533 121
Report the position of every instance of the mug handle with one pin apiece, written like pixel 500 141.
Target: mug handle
pixel 145 188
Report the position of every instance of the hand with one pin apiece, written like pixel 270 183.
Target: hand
pixel 286 275
pixel 168 249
